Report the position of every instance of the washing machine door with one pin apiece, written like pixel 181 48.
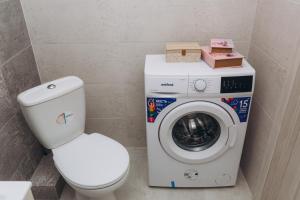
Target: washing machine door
pixel 197 132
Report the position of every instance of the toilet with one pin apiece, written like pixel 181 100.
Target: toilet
pixel 94 165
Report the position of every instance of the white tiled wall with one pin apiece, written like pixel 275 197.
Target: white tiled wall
pixel 273 52
pixel 105 41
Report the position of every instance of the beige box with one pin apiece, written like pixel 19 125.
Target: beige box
pixel 183 52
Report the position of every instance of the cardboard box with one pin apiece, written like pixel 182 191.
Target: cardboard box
pixel 183 52
pixel 221 46
pixel 216 60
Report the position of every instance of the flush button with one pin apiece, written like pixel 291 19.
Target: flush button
pixel 51 86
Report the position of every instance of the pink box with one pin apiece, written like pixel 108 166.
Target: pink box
pixel 216 60
pixel 221 45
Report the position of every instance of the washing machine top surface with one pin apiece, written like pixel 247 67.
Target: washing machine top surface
pixel 92 161
pixel 156 65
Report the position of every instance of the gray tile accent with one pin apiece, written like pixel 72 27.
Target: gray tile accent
pixel 20 74
pixel 47 183
pixel 12 149
pixel 13 32
pixel 6 108
pixel 20 150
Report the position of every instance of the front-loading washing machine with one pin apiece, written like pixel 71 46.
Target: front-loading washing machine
pixel 196 121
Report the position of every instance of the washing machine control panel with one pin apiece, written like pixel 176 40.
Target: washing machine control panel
pixel 203 85
pixel 218 85
pixel 236 84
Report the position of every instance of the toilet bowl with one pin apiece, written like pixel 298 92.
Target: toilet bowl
pixel 94 165
pixel 106 193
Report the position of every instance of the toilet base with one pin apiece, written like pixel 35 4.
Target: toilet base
pixel 106 193
pixel 108 196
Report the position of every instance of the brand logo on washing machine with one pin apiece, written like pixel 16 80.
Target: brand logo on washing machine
pixel 64 118
pixel 167 84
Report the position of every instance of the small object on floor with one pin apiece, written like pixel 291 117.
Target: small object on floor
pixel 216 60
pixel 47 183
pixel 221 46
pixel 183 52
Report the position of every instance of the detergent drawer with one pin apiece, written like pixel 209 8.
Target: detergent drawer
pixel 167 85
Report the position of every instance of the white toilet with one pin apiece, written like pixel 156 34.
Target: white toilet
pixel 93 164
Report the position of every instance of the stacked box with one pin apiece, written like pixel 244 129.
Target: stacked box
pixel 221 53
pixel 183 52
pixel 221 46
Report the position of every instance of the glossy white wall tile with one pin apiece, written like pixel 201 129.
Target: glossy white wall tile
pixel 105 43
pixel 274 53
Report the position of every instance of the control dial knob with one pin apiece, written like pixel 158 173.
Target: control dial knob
pixel 200 85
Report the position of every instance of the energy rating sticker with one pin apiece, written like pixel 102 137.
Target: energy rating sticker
pixel 240 105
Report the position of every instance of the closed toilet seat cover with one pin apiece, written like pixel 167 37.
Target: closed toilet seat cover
pixel 92 161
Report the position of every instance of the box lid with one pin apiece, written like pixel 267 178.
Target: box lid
pixel 49 91
pixel 182 45
pixel 222 43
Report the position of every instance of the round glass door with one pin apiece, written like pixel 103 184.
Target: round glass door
pixel 196 132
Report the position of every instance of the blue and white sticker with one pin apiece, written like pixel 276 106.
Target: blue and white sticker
pixel 155 106
pixel 240 105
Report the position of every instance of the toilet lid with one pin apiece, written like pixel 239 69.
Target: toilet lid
pixel 92 161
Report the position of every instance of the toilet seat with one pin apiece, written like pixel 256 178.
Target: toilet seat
pixel 92 161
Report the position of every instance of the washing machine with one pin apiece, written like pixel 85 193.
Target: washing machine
pixel 196 121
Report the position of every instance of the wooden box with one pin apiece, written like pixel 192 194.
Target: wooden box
pixel 216 60
pixel 183 52
pixel 221 46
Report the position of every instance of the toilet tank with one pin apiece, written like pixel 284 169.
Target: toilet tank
pixel 55 111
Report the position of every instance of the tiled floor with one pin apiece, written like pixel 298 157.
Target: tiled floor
pixel 136 187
